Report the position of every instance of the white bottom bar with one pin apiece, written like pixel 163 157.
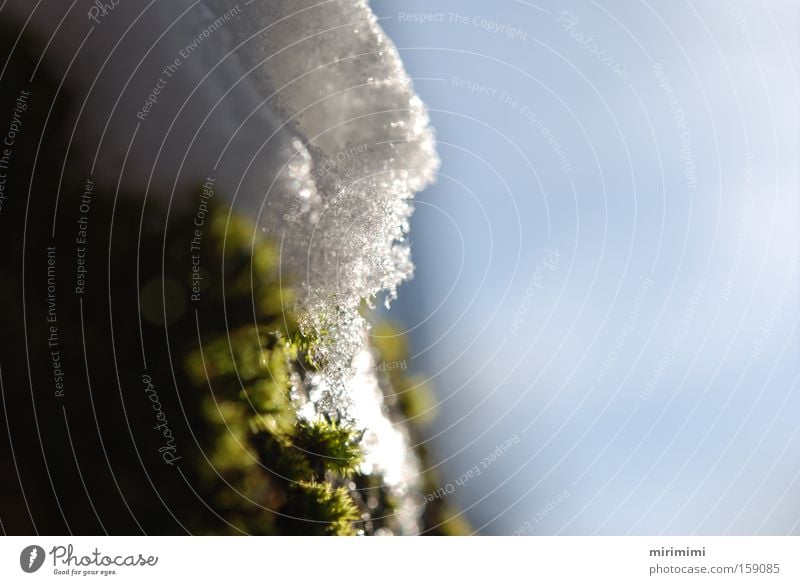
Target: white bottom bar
pixel 761 560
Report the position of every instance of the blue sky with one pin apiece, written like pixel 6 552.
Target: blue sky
pixel 607 267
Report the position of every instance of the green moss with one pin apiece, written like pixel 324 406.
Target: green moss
pixel 332 508
pixel 330 447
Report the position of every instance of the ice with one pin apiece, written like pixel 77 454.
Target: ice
pixel 340 85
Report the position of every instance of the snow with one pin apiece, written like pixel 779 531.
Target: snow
pixel 340 85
